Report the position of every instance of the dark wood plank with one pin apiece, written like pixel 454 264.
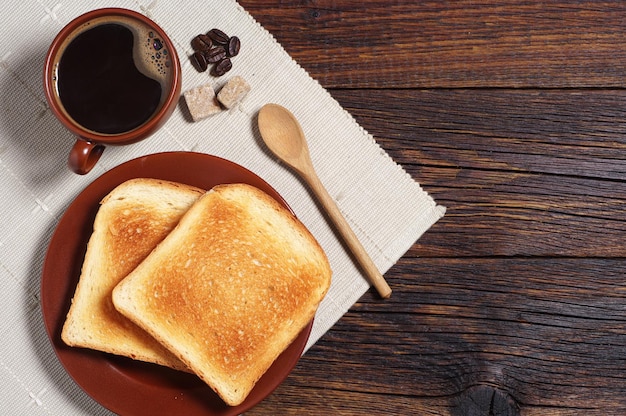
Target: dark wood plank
pixel 452 44
pixel 528 173
pixel 576 133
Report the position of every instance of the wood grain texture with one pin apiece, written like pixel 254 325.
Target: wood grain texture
pixel 452 44
pixel 528 173
pixel 511 114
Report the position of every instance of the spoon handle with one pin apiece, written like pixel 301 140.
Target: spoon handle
pixel 364 260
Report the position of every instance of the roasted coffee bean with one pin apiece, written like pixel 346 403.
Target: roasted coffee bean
pixel 218 36
pixel 222 67
pixel 215 54
pixel 233 46
pixel 199 61
pixel 201 43
pixel 216 47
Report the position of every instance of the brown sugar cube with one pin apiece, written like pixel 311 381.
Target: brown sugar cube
pixel 202 102
pixel 233 92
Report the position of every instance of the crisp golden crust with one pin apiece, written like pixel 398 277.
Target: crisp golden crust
pixel 230 288
pixel 131 221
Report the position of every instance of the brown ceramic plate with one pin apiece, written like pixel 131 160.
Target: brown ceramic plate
pixel 122 385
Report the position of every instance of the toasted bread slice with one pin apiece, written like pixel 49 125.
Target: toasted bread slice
pixel 131 221
pixel 230 288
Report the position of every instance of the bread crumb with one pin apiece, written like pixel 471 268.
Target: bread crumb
pixel 202 102
pixel 233 92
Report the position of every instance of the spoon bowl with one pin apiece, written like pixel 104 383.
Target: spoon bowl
pixel 283 135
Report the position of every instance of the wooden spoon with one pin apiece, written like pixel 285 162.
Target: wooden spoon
pixel 284 137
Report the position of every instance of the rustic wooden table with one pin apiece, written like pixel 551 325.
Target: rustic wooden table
pixel 512 114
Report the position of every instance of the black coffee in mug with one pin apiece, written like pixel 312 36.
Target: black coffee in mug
pixel 112 75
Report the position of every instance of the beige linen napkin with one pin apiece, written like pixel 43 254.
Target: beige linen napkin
pixel 387 209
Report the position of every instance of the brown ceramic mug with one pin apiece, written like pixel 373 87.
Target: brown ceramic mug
pixel 112 77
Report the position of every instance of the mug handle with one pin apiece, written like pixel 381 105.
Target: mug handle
pixel 84 155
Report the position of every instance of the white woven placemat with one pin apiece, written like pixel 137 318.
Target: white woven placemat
pixel 387 209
